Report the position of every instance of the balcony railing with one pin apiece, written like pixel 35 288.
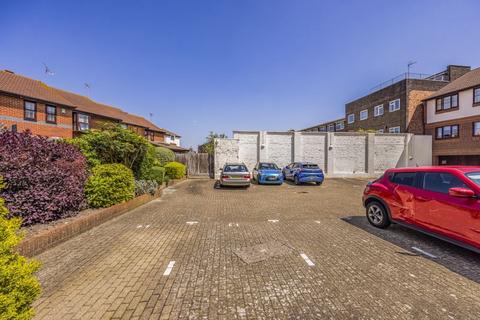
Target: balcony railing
pixel 410 75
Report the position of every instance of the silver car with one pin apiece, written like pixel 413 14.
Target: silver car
pixel 235 174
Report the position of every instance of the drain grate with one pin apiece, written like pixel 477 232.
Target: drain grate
pixel 262 251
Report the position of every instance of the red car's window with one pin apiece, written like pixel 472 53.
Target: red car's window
pixel 404 178
pixel 441 182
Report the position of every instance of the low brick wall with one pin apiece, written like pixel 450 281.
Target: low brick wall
pixel 39 242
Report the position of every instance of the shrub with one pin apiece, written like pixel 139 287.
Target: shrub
pixel 175 170
pixel 145 187
pixel 149 161
pixel 44 179
pixel 109 184
pixel 114 144
pixel 19 288
pixel 156 174
pixel 164 155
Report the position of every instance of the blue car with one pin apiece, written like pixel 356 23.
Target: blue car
pixel 267 173
pixel 301 172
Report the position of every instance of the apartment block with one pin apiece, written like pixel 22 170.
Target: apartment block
pixel 396 106
pixel 452 117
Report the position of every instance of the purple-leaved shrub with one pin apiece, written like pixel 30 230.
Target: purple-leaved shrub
pixel 44 179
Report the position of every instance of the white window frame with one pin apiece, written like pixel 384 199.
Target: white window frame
pixel 376 112
pixel 394 129
pixel 364 115
pixel 392 106
pixel 380 131
pixel 331 127
pixel 351 118
pixel 339 125
pixel 322 129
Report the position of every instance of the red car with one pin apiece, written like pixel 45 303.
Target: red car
pixel 440 201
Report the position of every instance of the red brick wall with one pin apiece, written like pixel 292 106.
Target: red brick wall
pixel 11 106
pixel 415 113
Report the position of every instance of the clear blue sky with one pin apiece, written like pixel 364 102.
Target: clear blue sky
pixel 223 65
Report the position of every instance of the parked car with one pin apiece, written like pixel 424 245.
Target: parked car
pixel 300 172
pixel 235 174
pixel 267 173
pixel 439 201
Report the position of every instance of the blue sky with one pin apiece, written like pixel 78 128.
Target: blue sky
pixel 223 65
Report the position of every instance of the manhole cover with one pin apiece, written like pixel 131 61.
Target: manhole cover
pixel 262 251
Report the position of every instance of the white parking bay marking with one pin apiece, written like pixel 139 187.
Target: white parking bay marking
pixel 192 222
pixel 307 259
pixel 169 268
pixel 273 220
pixel 139 226
pixel 424 252
pixel 232 224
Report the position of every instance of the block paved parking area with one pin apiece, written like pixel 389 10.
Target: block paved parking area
pixel 180 257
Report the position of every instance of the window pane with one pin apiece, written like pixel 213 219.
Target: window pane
pixel 477 95
pixel 29 106
pixel 439 133
pixel 446 103
pixel 447 131
pixel 476 128
pixel 454 131
pixel 439 104
pixel 404 178
pixel 454 101
pixel 363 114
pixel 441 182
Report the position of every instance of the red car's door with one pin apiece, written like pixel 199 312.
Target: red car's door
pixel 437 211
pixel 402 202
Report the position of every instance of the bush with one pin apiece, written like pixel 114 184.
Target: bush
pixel 164 155
pixel 114 144
pixel 156 174
pixel 175 170
pixel 149 161
pixel 109 184
pixel 19 288
pixel 44 179
pixel 145 187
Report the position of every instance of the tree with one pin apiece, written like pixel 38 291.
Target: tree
pixel 114 144
pixel 209 145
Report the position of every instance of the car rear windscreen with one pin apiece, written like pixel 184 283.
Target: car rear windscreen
pixel 267 166
pixel 235 168
pixel 310 166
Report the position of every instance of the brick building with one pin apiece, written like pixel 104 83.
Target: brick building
pixel 452 117
pixel 30 104
pixel 330 126
pixel 396 106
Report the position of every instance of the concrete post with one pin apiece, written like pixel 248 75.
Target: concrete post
pixel 370 152
pixel 297 146
pixel 262 146
pixel 330 152
pixel 407 149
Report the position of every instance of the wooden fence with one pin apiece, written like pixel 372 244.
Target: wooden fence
pixel 198 164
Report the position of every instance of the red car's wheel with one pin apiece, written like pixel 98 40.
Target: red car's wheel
pixel 377 215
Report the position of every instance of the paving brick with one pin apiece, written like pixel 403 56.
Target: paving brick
pixel 115 271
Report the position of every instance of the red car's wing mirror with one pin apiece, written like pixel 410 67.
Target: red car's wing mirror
pixel 461 192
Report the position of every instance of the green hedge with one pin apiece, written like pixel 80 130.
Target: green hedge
pixel 109 184
pixel 18 287
pixel 164 155
pixel 175 170
pixel 157 174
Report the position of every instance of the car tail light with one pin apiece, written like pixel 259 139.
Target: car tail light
pixel 246 177
pixel 225 177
